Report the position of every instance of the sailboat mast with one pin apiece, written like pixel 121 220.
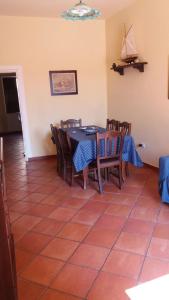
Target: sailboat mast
pixel 128 47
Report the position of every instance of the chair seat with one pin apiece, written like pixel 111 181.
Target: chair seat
pixel 106 163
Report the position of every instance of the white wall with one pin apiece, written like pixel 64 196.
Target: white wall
pixel 42 44
pixel 142 98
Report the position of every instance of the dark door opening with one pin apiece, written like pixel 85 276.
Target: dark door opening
pixel 10 121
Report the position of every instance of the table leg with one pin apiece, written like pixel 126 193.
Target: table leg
pixel 85 177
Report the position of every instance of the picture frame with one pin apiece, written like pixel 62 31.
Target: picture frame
pixel 63 82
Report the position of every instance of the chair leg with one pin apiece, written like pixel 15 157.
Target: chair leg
pixel 85 177
pixel 120 176
pixel 100 181
pixel 72 176
pixel 95 174
pixel 64 170
pixel 127 168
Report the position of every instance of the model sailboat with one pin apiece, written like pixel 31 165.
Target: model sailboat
pixel 129 52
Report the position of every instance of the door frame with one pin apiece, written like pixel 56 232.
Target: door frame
pixel 22 105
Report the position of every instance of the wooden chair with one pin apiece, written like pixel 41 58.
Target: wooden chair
pixel 126 128
pixel 109 146
pixel 70 123
pixel 112 124
pixel 66 152
pixel 69 168
pixel 59 154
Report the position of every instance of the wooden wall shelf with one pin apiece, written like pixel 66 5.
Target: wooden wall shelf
pixel 120 68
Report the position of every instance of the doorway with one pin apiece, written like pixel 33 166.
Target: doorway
pixel 17 69
pixel 10 120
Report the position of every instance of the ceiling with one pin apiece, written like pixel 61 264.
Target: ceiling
pixel 53 8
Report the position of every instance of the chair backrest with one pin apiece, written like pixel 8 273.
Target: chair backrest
pixel 109 144
pixel 65 143
pixel 71 123
pixel 112 124
pixel 126 127
pixel 55 139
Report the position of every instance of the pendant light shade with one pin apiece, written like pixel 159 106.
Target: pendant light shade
pixel 81 11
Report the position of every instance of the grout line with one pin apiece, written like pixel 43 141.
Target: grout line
pixel 145 255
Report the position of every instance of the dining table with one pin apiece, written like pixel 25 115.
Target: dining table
pixel 83 140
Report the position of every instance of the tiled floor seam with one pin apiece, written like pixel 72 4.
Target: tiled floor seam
pixel 107 257
pixel 146 252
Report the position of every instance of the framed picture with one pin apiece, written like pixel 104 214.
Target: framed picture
pixel 63 82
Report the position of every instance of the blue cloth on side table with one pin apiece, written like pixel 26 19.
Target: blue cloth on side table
pixel 85 149
pixel 164 178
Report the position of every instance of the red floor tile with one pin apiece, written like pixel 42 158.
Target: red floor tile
pixel 17 195
pixel 124 199
pixel 85 216
pixel 23 258
pixel 144 213
pixel 34 197
pixel 150 190
pixel 33 242
pixel 149 202
pixel 138 226
pixel 112 222
pixel 29 291
pixel 23 225
pixel 96 206
pixel 133 190
pixel 60 249
pixel 111 188
pixel 54 199
pixel 75 280
pixel 55 295
pixel 154 268
pixel 164 216
pixel 30 187
pixel 41 210
pixel 75 203
pixel 42 270
pixel 110 287
pixel 83 194
pixel 118 210
pixel 90 256
pixel 46 188
pixel 74 231
pixel 135 181
pixel 104 197
pixel 132 242
pixel 14 216
pixel 104 237
pixel 161 231
pixel 159 248
pixel 22 207
pixel 124 264
pixel 63 214
pixel 49 227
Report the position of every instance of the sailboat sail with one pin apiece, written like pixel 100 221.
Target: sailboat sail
pixel 129 45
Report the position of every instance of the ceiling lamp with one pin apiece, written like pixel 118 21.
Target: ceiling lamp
pixel 81 12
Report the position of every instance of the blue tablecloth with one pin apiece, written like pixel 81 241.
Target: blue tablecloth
pixel 85 149
pixel 164 178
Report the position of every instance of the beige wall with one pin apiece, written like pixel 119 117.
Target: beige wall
pixel 40 45
pixel 142 98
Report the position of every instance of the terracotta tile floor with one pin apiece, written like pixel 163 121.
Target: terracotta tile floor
pixel 73 244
